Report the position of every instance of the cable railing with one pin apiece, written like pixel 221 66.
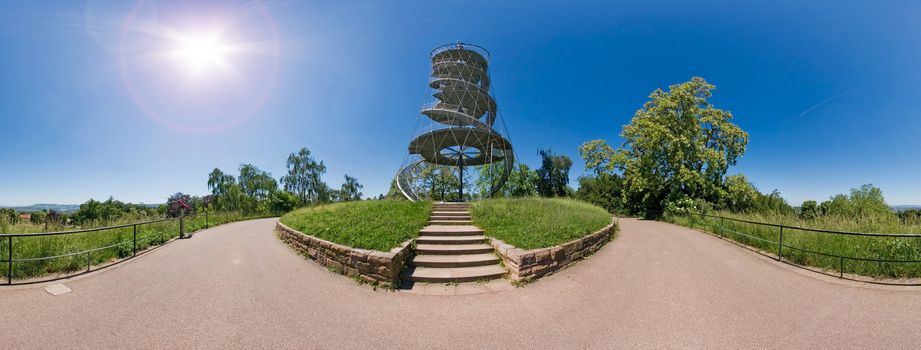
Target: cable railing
pixel 45 256
pixel 883 258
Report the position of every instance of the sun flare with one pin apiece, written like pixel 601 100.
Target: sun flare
pixel 202 52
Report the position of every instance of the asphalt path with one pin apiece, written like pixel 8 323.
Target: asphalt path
pixel 655 285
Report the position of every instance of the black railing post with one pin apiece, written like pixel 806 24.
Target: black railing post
pixel 722 222
pixel 841 267
pixel 134 248
pixel 780 245
pixel 87 261
pixel 9 260
pixel 206 221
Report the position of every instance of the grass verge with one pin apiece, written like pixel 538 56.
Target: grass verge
pixel 377 225
pixel 530 223
pixel 823 250
pixel 73 252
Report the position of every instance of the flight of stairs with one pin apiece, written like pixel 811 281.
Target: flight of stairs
pixel 451 249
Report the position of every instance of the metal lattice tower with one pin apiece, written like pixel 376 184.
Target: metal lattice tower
pixel 459 128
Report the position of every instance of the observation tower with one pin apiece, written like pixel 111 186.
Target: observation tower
pixel 457 138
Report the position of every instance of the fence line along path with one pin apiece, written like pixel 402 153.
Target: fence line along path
pixel 45 256
pixel 857 255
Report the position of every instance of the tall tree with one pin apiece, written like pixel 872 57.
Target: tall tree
pixel 490 176
pixel 603 190
pixel 394 191
pixel 218 182
pixel 740 194
pixel 522 182
pixel 225 190
pixel 282 201
pixel 350 190
pixel 256 183
pixel 553 174
pixel 304 177
pixel 677 146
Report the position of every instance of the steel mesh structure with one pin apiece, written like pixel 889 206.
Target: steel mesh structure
pixel 457 131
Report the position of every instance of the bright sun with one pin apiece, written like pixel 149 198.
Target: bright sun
pixel 202 52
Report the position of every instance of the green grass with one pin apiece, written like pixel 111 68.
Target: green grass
pixel 530 223
pixel 798 240
pixel 119 243
pixel 377 225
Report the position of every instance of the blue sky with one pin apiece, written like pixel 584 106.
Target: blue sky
pixel 827 90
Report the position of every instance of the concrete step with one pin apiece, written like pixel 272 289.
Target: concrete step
pixel 451 213
pixel 451 239
pixel 442 205
pixel 452 209
pixel 457 274
pixel 450 222
pixel 453 249
pixel 449 217
pixel 464 260
pixel 450 230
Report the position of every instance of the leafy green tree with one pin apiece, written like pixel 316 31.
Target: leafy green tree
pixel 350 190
pixel 489 177
pixel 9 216
pixel 38 217
pixel 256 183
pixel 437 182
pixel 838 204
pixel 226 197
pixel 868 201
pixel 522 182
pixel 282 201
pixel 910 216
pixel 91 210
pixel 553 174
pixel 864 202
pixel 772 203
pixel 394 191
pixel 677 146
pixel 233 199
pixel 809 210
pixel 740 194
pixel 603 190
pixel 304 177
pixel 95 212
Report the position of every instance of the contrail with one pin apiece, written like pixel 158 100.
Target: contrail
pixel 851 91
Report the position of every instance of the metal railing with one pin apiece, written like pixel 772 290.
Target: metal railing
pixel 773 240
pixel 153 233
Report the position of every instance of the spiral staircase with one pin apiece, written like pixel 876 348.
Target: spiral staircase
pixel 461 122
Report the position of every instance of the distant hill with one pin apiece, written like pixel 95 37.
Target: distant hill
pixel 63 208
pixel 904 207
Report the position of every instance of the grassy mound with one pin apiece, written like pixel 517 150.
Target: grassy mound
pixel 378 225
pixel 529 223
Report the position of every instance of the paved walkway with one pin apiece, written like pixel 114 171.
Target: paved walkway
pixel 655 286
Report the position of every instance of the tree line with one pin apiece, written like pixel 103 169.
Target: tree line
pixel 254 190
pixel 250 191
pixel 440 183
pixel 675 155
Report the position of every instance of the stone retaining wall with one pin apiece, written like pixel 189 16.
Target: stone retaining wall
pixel 527 265
pixel 371 266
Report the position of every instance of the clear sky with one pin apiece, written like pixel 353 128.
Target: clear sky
pixel 105 98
